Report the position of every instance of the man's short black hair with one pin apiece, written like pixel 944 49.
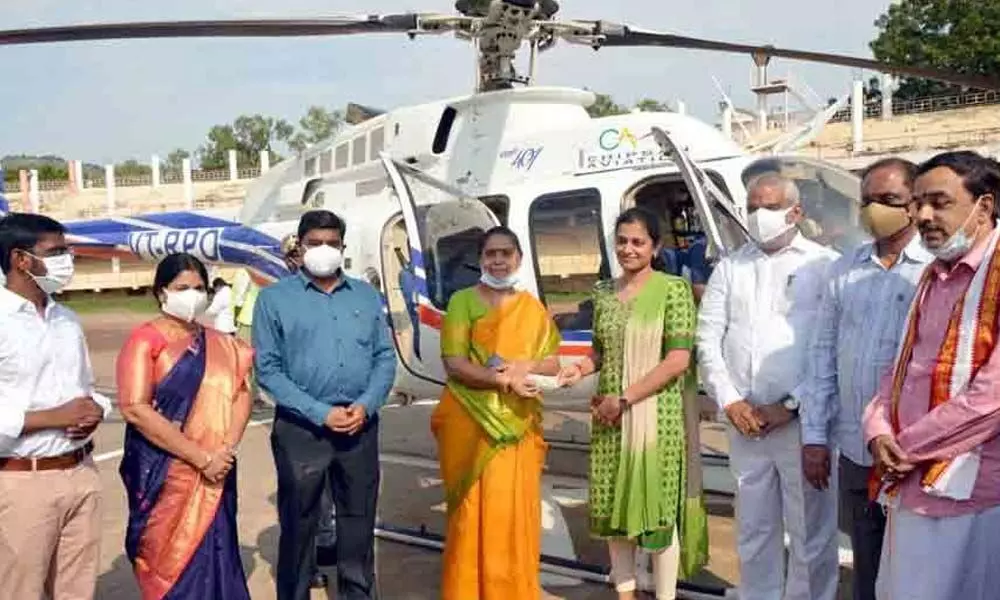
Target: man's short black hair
pixel 321 219
pixel 218 283
pixel 907 168
pixel 980 175
pixel 23 231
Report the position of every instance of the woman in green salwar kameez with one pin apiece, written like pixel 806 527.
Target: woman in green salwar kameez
pixel 645 470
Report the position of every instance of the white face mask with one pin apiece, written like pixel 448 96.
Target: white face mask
pixel 767 224
pixel 497 283
pixel 959 244
pixel 323 261
pixel 186 305
pixel 58 273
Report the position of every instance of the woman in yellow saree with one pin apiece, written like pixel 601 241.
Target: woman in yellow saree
pixel 488 430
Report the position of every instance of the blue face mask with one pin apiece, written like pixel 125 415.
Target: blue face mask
pixel 959 244
pixel 497 283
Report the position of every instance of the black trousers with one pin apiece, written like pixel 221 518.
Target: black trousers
pixel 308 459
pixel 865 522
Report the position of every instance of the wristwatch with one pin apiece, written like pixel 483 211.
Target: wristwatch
pixel 791 404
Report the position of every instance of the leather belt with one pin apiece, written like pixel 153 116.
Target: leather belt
pixel 48 463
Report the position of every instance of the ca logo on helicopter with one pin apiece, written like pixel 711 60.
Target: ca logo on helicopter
pixel 611 139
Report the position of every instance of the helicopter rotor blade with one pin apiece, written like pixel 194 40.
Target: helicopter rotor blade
pixel 619 35
pixel 397 23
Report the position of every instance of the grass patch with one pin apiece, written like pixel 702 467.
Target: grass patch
pixel 90 303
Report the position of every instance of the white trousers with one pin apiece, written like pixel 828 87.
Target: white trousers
pixel 928 558
pixel 665 566
pixel 773 498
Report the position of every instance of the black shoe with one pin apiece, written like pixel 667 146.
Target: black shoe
pixel 318 581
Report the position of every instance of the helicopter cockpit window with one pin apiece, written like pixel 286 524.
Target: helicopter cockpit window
pixel 569 250
pixel 450 228
pixel 831 198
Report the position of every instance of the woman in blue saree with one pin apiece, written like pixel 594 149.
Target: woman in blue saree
pixel 183 391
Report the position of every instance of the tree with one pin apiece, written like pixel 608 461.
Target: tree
pixel 132 168
pixel 650 105
pixel 248 135
pixel 604 106
pixel 317 125
pixel 961 37
pixel 175 160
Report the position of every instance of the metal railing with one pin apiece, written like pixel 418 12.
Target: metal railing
pixel 924 105
pixel 167 177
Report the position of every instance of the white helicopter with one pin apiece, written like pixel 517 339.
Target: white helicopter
pixel 416 185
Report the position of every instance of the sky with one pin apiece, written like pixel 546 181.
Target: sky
pixel 111 101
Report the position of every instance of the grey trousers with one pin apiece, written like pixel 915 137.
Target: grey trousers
pixel 864 521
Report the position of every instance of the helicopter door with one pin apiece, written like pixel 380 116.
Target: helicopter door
pixel 443 227
pixel 723 226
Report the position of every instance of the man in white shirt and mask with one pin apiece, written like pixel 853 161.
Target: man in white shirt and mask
pixel 50 491
pixel 754 328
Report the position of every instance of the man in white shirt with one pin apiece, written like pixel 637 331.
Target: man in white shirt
pixel 864 309
pixel 50 491
pixel 221 308
pixel 754 328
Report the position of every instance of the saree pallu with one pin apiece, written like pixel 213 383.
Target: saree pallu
pixel 491 453
pixel 181 535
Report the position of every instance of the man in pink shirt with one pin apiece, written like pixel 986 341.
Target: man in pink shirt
pixel 933 425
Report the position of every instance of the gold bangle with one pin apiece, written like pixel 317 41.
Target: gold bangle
pixel 208 463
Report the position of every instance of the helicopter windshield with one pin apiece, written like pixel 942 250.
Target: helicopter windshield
pixel 831 198
pixel 450 226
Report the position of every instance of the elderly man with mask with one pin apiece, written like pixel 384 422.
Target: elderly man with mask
pixel 933 426
pixel 864 308
pixel 757 317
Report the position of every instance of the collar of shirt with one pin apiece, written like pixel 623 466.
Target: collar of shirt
pixel 913 252
pixel 12 303
pixel 343 283
pixel 972 260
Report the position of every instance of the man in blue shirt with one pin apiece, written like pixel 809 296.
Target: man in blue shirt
pixel 325 355
pixel 675 260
